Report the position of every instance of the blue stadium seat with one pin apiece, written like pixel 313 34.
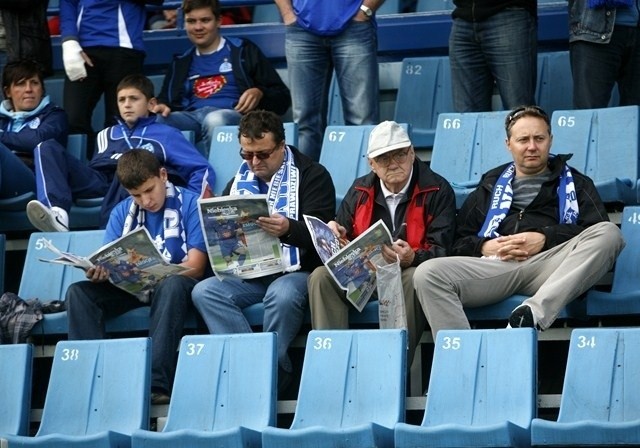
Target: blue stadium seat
pixel 604 143
pixel 389 7
pixel 335 114
pixel 423 94
pixel 266 14
pixel 15 388
pixel 466 146
pixel 224 157
pixel 434 5
pixel 358 398
pixel 48 281
pixel 554 90
pixel 624 297
pixel 98 395
pixel 600 404
pixel 224 393
pixel 475 397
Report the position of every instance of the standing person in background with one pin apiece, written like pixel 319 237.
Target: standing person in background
pixel 101 44
pixel 605 49
pixel 493 41
pixel 24 33
pixel 321 37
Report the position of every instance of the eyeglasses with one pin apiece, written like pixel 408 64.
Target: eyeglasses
pixel 260 155
pixel 519 112
pixel 397 156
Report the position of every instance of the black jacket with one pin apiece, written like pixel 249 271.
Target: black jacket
pixel 317 197
pixel 439 209
pixel 539 216
pixel 25 23
pixel 251 68
pixel 479 10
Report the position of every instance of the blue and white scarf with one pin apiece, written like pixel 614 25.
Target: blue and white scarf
pixel 172 244
pixel 282 197
pixel 502 197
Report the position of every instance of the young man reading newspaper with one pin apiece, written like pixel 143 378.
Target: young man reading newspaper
pixel 170 215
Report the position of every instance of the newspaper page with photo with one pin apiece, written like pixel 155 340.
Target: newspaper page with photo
pixel 134 263
pixel 235 244
pixel 353 266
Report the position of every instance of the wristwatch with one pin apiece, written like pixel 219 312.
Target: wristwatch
pixel 366 10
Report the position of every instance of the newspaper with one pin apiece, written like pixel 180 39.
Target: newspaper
pixel 134 263
pixel 352 266
pixel 235 244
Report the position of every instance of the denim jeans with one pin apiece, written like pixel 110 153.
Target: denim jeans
pixel 311 60
pixel 596 68
pixel 285 300
pixel 503 49
pixel 90 304
pixel 201 121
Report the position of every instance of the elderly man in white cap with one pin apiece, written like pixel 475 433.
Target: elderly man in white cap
pixel 416 204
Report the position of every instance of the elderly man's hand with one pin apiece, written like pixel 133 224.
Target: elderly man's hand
pixel 518 247
pixel 276 224
pixel 401 250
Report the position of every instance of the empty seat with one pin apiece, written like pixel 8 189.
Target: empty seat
pixel 423 94
pixel 482 391
pixel 624 297
pixel 15 388
pixel 352 391
pixel 224 157
pixel 600 404
pixel 435 5
pixel 554 90
pixel 604 143
pixel 224 393
pixel 466 146
pixel 98 394
pixel 3 241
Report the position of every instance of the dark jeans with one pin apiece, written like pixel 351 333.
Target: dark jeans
pixel 503 49
pixel 110 65
pixel 597 67
pixel 90 304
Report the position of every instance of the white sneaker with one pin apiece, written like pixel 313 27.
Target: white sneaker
pixel 45 219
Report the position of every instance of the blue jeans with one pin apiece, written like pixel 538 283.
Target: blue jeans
pixel 90 304
pixel 311 60
pixel 201 121
pixel 596 68
pixel 16 178
pixel 503 49
pixel 285 300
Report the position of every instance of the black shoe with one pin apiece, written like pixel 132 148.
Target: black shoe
pixel 522 317
pixel 160 397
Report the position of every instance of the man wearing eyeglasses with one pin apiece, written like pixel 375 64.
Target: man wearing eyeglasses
pixel 535 227
pixel 416 204
pixel 295 185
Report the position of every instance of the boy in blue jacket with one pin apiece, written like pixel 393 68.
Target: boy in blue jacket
pixel 61 178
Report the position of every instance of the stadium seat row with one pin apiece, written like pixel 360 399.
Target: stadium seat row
pixel 482 392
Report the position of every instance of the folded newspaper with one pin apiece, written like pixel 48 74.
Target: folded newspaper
pixel 352 266
pixel 133 261
pixel 235 244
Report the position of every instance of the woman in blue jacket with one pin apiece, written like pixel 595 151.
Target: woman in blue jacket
pixel 27 118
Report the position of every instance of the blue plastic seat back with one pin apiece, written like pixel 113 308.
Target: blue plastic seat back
pixel 466 146
pixel 3 248
pixel 352 377
pixel 434 5
pixel 224 157
pixel 49 281
pixel 389 7
pixel 98 386
pixel 224 381
pixel 604 143
pixel 626 275
pixel 481 377
pixel 266 14
pixel 424 93
pixel 554 90
pixel 77 146
pixel 15 388
pixel 602 376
